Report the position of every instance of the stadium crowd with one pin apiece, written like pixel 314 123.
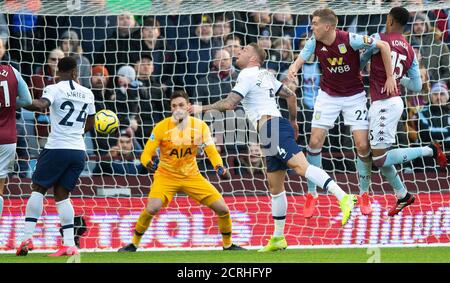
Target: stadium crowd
pixel 133 63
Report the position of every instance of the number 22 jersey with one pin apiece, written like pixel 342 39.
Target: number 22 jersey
pixel 70 104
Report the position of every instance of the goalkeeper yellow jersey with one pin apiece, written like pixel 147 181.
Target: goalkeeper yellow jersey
pixel 178 147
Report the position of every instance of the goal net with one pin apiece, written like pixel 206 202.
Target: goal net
pixel 134 54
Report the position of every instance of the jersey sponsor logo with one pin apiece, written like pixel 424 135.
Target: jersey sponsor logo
pixel 334 61
pixel 342 48
pixel 181 153
pixel 368 40
pixel 337 65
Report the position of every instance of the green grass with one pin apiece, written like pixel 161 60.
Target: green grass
pixel 349 255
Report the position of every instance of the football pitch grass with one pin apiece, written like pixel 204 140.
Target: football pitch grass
pixel 340 255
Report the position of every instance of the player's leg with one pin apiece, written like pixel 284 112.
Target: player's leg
pixel 76 161
pixel 161 193
pixel 364 169
pixel 201 190
pixel 356 116
pixel 7 154
pixel 383 119
pixel 326 111
pixel 277 191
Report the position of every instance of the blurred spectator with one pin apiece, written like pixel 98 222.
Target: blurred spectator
pixel 434 119
pixel 283 24
pixel 442 23
pixel 257 23
pixel 153 43
pixel 99 83
pixel 199 54
pixel 233 46
pixel 123 158
pixel 70 45
pixel 116 50
pixel 153 101
pixel 5 58
pixel 282 56
pixel 4 31
pixel 44 76
pixel 221 30
pixel 125 98
pixel 435 53
pixel 219 81
pixel 250 161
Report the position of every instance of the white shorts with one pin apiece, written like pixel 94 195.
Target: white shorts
pixel 7 156
pixel 383 119
pixel 327 109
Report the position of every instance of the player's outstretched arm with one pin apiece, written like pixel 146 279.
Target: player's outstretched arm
pixel 229 103
pixel 39 105
pixel 288 93
pixel 304 56
pixel 390 86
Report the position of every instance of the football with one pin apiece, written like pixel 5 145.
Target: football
pixel 106 122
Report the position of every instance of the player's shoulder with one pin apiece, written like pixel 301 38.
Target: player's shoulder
pixel 197 122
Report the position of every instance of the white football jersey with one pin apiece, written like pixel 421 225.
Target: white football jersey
pixel 258 88
pixel 70 104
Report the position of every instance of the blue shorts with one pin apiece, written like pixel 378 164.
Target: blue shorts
pixel 59 166
pixel 278 143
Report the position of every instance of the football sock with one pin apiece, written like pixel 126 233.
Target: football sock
pixel 323 180
pixel 314 157
pixel 225 229
pixel 35 206
pixel 1 205
pixel 390 173
pixel 142 225
pixel 364 169
pixel 66 216
pixel 279 209
pixel 402 155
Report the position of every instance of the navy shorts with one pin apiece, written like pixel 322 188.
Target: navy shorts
pixel 59 166
pixel 278 143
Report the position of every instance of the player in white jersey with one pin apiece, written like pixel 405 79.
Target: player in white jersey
pixel 61 162
pixel 256 88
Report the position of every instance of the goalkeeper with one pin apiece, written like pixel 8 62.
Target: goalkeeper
pixel 178 138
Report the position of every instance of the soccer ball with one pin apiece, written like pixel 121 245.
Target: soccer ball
pixel 106 122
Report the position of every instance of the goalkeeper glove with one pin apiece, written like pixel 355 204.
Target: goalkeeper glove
pixel 152 165
pixel 223 173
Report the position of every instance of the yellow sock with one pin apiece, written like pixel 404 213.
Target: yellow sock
pixel 225 229
pixel 142 225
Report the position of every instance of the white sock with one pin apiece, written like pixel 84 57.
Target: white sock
pixel 279 209
pixel 35 206
pixel 1 205
pixel 317 176
pixel 427 151
pixel 66 216
pixel 336 190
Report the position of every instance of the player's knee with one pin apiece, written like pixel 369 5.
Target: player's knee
pixel 300 169
pixel 379 161
pixel 152 209
pixel 315 143
pixel 362 147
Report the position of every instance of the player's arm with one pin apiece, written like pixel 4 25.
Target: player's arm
pixel 24 98
pixel 374 42
pixel 365 58
pixel 229 103
pixel 41 104
pixel 150 150
pixel 213 154
pixel 288 93
pixel 304 56
pixel 413 81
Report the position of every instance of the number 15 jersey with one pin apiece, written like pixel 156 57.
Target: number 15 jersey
pixel 70 104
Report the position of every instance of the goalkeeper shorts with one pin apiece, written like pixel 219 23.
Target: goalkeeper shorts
pixel 165 187
pixel 278 143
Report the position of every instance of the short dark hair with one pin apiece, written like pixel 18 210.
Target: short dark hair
pixel 150 21
pixel 326 15
pixel 400 15
pixel 67 64
pixel 260 52
pixel 179 93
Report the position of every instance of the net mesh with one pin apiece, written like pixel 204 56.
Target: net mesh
pixel 134 54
